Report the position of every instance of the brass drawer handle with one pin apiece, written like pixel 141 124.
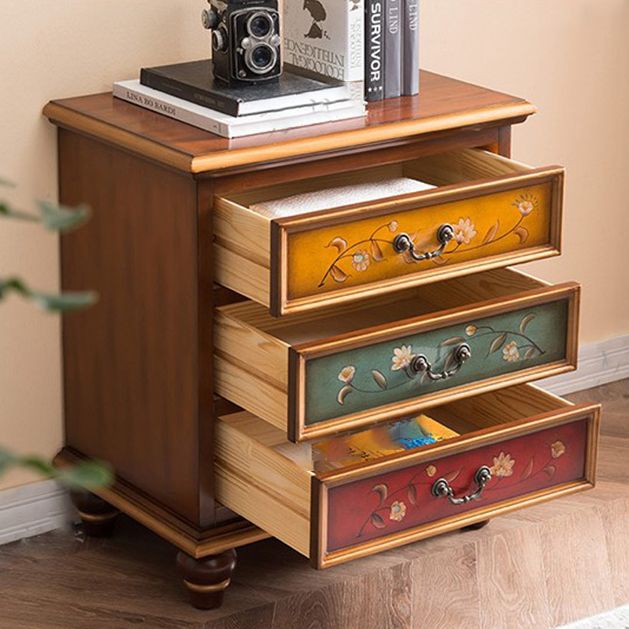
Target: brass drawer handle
pixel 404 243
pixel 442 489
pixel 461 353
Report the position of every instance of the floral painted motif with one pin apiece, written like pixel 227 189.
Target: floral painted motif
pixel 396 503
pixel 378 245
pixel 516 345
pixel 347 374
pixel 557 449
pixel 510 352
pixel 464 231
pixel 503 465
pixel 398 511
pixel 402 357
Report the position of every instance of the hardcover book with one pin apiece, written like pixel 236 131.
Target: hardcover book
pixel 326 37
pixel 410 63
pixel 393 49
pixel 374 50
pixel 194 81
pixel 232 126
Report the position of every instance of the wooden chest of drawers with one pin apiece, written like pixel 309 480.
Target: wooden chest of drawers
pixel 230 343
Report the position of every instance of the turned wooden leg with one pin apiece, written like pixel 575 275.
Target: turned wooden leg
pixel 207 579
pixel 98 517
pixel 475 527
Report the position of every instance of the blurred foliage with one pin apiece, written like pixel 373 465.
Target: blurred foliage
pixel 55 218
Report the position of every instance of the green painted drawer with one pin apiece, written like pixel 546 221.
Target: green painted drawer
pixel 343 368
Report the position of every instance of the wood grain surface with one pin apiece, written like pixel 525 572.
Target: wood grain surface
pixel 469 580
pixel 445 103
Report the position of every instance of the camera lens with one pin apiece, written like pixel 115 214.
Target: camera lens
pixel 263 57
pixel 260 25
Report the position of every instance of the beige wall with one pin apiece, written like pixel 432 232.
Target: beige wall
pixel 570 57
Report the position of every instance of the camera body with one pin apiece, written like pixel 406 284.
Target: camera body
pixel 245 40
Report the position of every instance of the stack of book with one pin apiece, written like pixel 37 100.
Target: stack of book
pixel 188 92
pixel 373 43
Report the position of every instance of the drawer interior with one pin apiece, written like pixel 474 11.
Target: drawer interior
pixel 348 318
pixel 444 169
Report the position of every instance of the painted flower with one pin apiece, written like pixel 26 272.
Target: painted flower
pixel 431 470
pixel 402 357
pixel 525 203
pixel 347 374
pixel 471 330
pixel 393 226
pixel 361 261
pixel 464 231
pixel 398 511
pixel 557 449
pixel 503 465
pixel 510 352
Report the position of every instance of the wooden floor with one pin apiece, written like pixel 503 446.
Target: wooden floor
pixel 541 567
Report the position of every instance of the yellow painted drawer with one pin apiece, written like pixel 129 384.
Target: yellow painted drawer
pixel 314 374
pixel 517 447
pixel 500 213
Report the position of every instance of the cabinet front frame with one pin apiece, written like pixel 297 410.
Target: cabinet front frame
pixel 282 229
pixel 299 355
pixel 320 558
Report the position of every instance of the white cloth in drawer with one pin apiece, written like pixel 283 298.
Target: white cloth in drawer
pixel 338 197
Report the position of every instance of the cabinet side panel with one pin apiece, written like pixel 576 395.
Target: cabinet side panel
pixel 131 361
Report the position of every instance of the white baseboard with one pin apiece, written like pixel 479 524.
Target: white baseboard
pixel 599 363
pixel 33 509
pixel 44 506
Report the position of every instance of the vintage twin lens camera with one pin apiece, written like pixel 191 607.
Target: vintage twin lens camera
pixel 245 40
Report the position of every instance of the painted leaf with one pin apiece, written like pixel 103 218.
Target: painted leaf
pixel 450 361
pixel 491 233
pixel 376 252
pixel 454 340
pixel 530 352
pixel 452 476
pixel 550 470
pixel 343 393
pixel 381 381
pixel 377 521
pixel 525 321
pixel 338 275
pixel 527 470
pixel 522 233
pixel 411 492
pixel 339 243
pixel 382 490
pixel 497 343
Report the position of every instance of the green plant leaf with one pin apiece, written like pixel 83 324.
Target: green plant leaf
pixel 61 218
pixel 13 284
pixel 86 475
pixel 37 464
pixel 7 460
pixel 64 302
pixel 10 212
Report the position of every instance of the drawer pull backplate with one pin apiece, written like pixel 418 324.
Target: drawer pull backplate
pixel 442 489
pixel 461 353
pixel 404 243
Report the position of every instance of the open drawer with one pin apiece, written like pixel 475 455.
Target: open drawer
pixel 485 211
pixel 340 368
pixel 517 447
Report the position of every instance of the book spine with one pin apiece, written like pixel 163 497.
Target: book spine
pixel 162 106
pixel 393 49
pixel 356 41
pixel 410 63
pixel 180 90
pixel 374 50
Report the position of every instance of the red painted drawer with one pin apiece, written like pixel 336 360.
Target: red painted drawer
pixel 535 445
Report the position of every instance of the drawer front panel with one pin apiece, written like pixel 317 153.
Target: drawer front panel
pixel 362 379
pixel 397 505
pixel 360 253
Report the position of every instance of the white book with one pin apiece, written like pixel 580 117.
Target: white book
pixel 231 126
pixel 326 37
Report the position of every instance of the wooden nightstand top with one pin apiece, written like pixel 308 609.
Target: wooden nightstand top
pixel 444 104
